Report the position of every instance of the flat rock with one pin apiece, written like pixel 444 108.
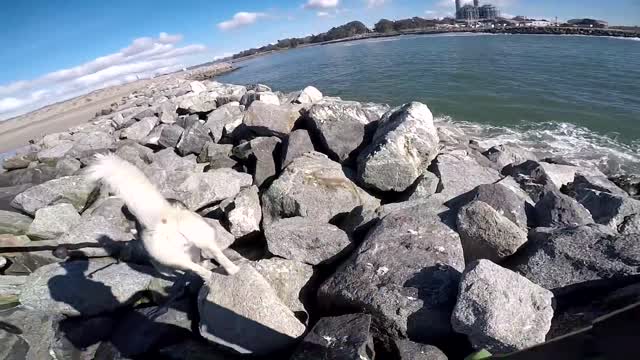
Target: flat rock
pixel 316 187
pixel 402 148
pixel 486 234
pixel 295 145
pixel 556 210
pixel 405 274
pixel 199 103
pixel 244 312
pixel 270 120
pixel 84 287
pixel 336 338
pixel 244 213
pixel 306 240
pixel 100 236
pixel 14 223
pixel 219 118
pixel 193 139
pixel 500 310
pixel 288 278
pixel 52 221
pixel 140 130
pixel 606 208
pixel 201 189
pixel 459 173
pixel 408 350
pixel 93 140
pixel 74 190
pixel 53 154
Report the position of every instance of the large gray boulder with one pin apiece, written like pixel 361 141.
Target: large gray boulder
pixel 93 140
pixel 296 144
pixel 52 155
pixel 244 213
pixel 84 287
pixel 340 126
pixel 555 209
pixel 500 310
pixel 168 160
pixel 337 338
pixel 505 200
pixel 244 312
pixel 99 236
pixel 425 186
pixel 21 161
pixel 594 182
pixel 508 154
pixel 403 146
pixel 14 223
pixel 405 274
pixel 545 173
pixel 140 130
pixel 203 102
pixel 74 190
pixel 556 258
pixel 201 189
pixel 219 118
pixel 460 173
pixel 112 209
pixel 193 140
pixel 53 221
pixel 408 350
pixel 309 95
pixel 31 342
pixel 288 278
pixel 486 234
pixel 170 135
pixel 314 186
pixel 260 154
pixel 306 240
pixel 271 120
pixel 33 175
pixel 217 155
pixel 606 208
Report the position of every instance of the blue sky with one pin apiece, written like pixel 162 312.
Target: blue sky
pixel 58 49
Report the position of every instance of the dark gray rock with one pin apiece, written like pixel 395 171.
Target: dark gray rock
pixel 606 208
pixel 186 121
pixel 305 240
pixel 14 223
pixel 84 287
pixel 220 118
pixel 218 156
pixel 140 130
pixel 630 225
pixel 402 148
pixel 408 350
pixel 544 173
pixel 486 234
pixel 405 274
pixel 425 186
pixel 193 140
pixel 170 135
pixel 271 120
pixel 52 221
pixel 504 200
pixel 507 154
pixel 154 136
pixel 288 278
pixel 296 144
pixel 261 154
pixel 337 338
pixel 75 190
pixel 244 213
pixel 26 334
pixel 500 310
pixel 148 112
pixel 460 173
pixel 556 258
pixel 244 312
pixel 629 183
pixel 594 182
pixel 556 210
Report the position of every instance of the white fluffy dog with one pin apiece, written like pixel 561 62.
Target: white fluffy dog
pixel 173 235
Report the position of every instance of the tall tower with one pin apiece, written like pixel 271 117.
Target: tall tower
pixel 476 3
pixel 457 8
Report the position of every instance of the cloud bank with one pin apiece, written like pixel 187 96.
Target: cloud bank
pixel 321 4
pixel 145 57
pixel 240 19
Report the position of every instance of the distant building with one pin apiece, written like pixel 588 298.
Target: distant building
pixel 476 12
pixel 488 12
pixel 589 23
pixel 539 23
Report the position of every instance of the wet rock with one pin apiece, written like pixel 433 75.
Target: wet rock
pixel 202 189
pixel 218 119
pixel 409 350
pixel 270 120
pixel 98 286
pixel 459 173
pixel 606 208
pixel 26 334
pixel 403 146
pixel 296 144
pixel 52 221
pixel 504 155
pixel 485 234
pixel 247 316
pixel 288 278
pixel 140 130
pixel 74 190
pixel 244 212
pixel 405 274
pixel 193 140
pixel 340 337
pixel 500 310
pixel 14 223
pixel 314 186
pixel 556 210
pixel 261 154
pixel 305 240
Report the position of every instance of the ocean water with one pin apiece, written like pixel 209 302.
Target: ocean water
pixel 571 96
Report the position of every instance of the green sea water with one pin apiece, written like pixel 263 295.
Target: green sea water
pixel 571 96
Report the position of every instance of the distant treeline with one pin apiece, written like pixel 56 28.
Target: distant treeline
pixel 388 26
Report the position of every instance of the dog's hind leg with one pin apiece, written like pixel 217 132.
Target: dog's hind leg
pixel 220 258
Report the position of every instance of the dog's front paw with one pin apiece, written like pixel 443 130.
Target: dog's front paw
pixel 232 269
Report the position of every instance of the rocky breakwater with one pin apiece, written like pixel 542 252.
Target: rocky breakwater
pixel 361 232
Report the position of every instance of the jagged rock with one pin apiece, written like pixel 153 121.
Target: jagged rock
pixel 594 182
pixel 258 87
pixel 270 120
pixel 217 155
pixel 26 334
pixel 267 97
pixel 33 175
pixel 339 126
pixel 154 136
pixel 425 186
pixel 52 221
pixel 309 95
pixel 288 278
pixel 504 200
pixel 52 155
pixel 75 190
pixel 606 208
pixel 244 312
pixel 296 144
pixel 19 161
pixel 555 258
pixel 630 225
pixel 405 274
pixel 504 155
pixel 14 223
pixel 140 130
pixel 67 166
pixel 112 209
pixel 500 310
pixel 314 186
pixel 545 173
pixel 556 210
pixel 336 338
pixel 305 240
pixel 244 212
pixel 219 118
pixel 136 154
pixel 203 102
pixel 193 139
pixel 224 239
pixel 261 154
pixel 98 235
pixel 409 350
pixel 403 146
pixel 84 287
pixel 186 121
pixel 168 160
pixel 459 173
pixel 629 183
pixel 148 112
pixel 197 87
pixel 167 112
pixel 486 234
pixel 202 189
pixel 94 140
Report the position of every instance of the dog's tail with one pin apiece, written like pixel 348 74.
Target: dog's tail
pixel 142 198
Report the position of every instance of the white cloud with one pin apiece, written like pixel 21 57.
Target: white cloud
pixel 321 4
pixel 145 57
pixel 240 19
pixel 323 14
pixel 222 56
pixel 376 3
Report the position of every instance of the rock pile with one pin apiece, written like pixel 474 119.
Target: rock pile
pixel 361 232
